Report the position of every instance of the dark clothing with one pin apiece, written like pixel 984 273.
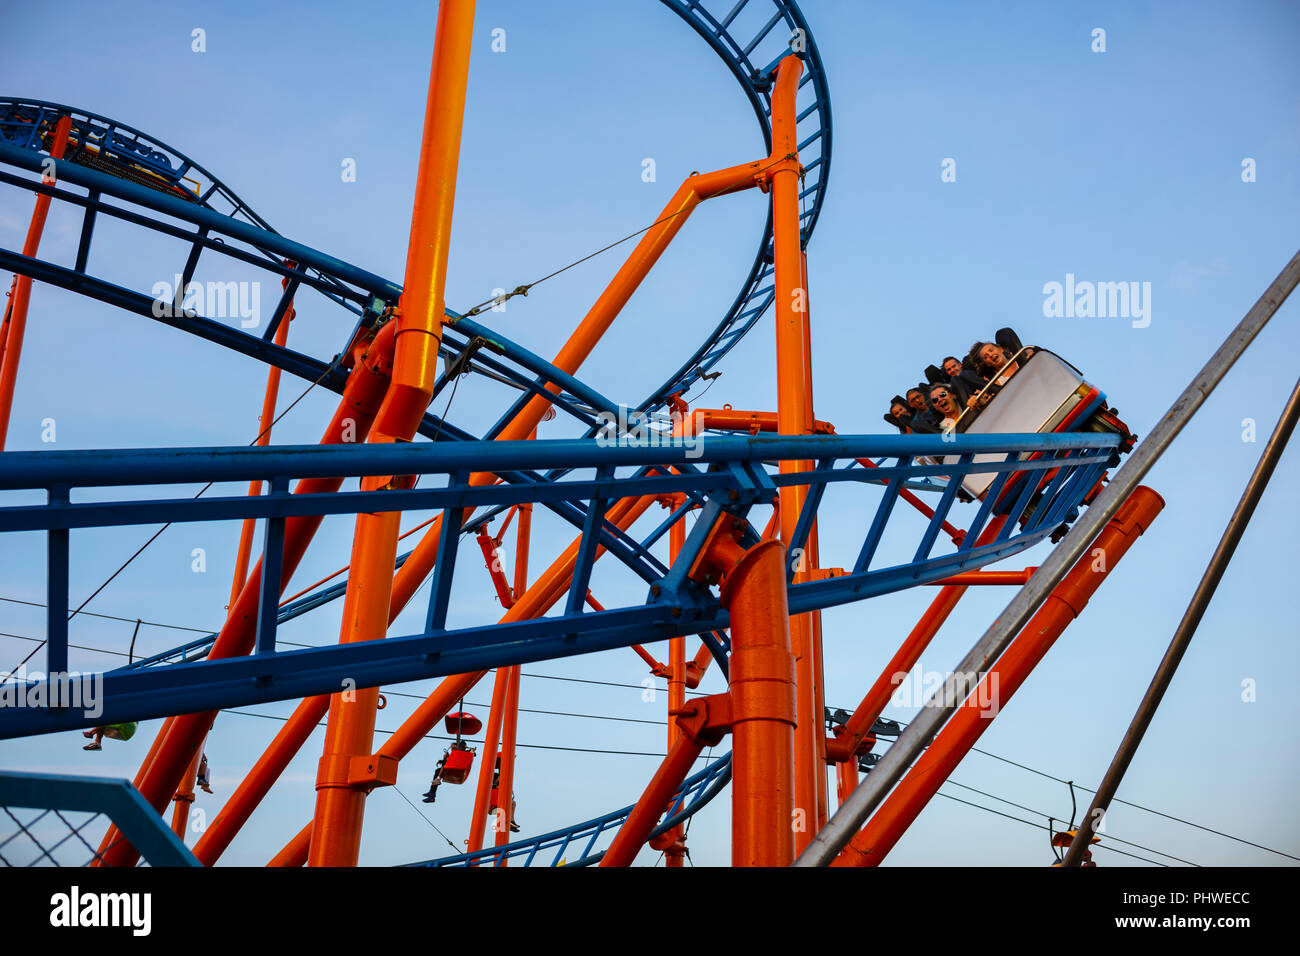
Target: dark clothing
pixel 965 385
pixel 925 423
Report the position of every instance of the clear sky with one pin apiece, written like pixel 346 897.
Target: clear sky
pixel 1123 165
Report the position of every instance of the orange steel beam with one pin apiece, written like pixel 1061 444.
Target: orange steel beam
pixel 350 726
pixel 509 729
pixel 488 545
pixel 181 735
pixel 845 744
pixel 641 652
pixel 727 418
pixel 294 853
pixel 506 782
pixel 814 548
pixel 794 417
pixel 15 324
pixel 846 780
pixel 696 667
pixel 675 851
pixel 995 689
pixel 488 760
pixel 340 803
pixel 968 578
pixel 663 786
pixel 184 797
pixel 763 701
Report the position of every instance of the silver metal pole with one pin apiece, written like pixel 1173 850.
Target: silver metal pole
pixel 850 817
pixel 1187 626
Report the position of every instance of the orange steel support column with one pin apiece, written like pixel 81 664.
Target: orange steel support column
pixel 814 557
pixel 675 852
pixel 970 721
pixel 11 339
pixel 794 417
pixel 488 760
pixel 667 780
pixel 763 697
pixel 506 783
pixel 181 736
pixel 336 838
pixel 340 803
pixel 846 780
pixel 185 796
pixel 505 814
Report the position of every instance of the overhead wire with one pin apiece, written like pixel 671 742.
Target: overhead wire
pixel 641 687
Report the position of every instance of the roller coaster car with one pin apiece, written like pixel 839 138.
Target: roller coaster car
pixel 126 159
pixel 1044 394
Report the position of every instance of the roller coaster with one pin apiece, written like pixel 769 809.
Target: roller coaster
pixel 736 563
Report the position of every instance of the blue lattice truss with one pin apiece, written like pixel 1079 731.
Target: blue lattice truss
pixel 723 474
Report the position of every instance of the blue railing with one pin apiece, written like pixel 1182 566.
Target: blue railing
pixel 50 838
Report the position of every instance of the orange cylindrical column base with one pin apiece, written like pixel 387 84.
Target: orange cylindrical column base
pixel 970 721
pixel 763 710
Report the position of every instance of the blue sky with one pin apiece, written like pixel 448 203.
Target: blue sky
pixel 1117 166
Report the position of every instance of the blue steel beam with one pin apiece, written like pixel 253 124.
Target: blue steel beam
pixel 140 694
pixel 680 606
